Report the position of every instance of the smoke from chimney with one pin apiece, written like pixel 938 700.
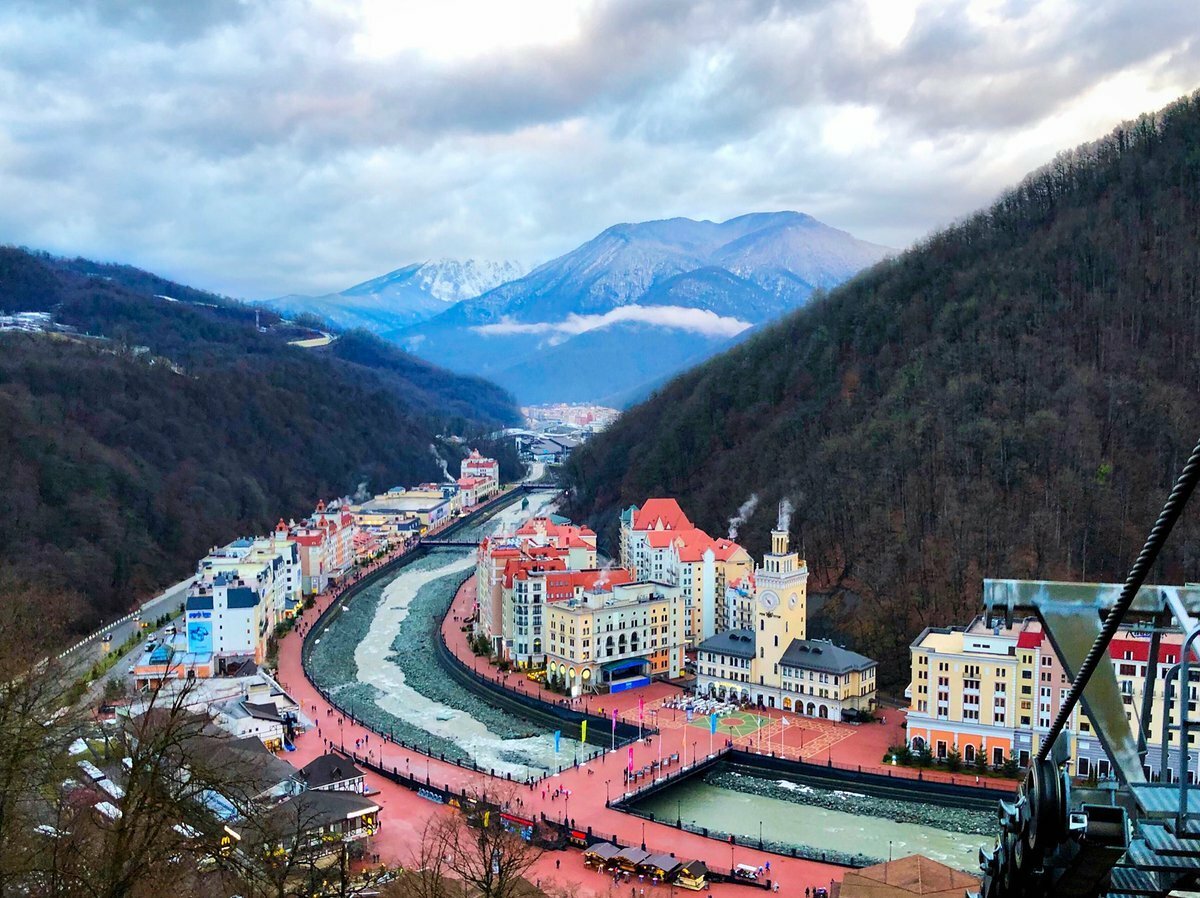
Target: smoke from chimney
pixel 446 478
pixel 785 515
pixel 743 514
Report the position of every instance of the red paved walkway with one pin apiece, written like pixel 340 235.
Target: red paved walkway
pixel 405 814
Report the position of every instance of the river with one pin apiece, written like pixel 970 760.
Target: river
pixel 790 824
pixel 376 657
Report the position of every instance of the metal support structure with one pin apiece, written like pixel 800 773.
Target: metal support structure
pixel 1148 687
pixel 1170 513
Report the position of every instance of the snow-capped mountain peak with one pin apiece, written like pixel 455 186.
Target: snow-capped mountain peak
pixel 453 280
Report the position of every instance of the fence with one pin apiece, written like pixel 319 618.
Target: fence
pixel 558 715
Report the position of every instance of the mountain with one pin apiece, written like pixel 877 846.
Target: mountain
pixel 390 302
pixel 175 425
pixel 1012 397
pixel 625 308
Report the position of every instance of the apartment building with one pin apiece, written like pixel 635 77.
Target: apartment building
pixel 616 636
pixel 659 542
pixel 995 691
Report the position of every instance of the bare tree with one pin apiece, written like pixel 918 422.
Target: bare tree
pixel 479 850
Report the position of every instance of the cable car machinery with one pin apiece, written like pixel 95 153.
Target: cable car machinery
pixel 1134 837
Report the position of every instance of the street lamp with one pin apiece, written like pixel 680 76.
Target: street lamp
pixel 760 835
pixel 607 798
pixel 643 835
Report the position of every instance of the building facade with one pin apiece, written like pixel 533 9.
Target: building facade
pixel 995 692
pixel 771 662
pixel 659 542
pixel 616 637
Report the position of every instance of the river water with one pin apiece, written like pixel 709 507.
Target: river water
pixel 790 824
pixel 376 657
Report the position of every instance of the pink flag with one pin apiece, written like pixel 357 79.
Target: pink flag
pixel 641 708
pixel 631 759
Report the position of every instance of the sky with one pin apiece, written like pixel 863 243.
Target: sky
pixel 262 148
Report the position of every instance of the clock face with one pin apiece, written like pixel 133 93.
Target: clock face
pixel 792 599
pixel 769 601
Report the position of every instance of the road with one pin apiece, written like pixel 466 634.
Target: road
pixel 84 654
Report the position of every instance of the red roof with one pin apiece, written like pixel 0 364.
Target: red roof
pixel 1029 639
pixel 561 585
pixel 661 514
pixel 691 544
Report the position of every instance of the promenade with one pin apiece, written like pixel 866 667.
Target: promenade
pixel 583 793
pixel 584 790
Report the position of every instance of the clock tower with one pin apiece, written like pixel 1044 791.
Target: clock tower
pixel 780 611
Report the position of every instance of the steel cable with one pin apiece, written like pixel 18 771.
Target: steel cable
pixel 1170 513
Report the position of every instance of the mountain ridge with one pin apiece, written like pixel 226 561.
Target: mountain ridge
pixel 1011 397
pixel 503 332
pixel 389 302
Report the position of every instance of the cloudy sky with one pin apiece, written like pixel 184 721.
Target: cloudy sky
pixel 268 147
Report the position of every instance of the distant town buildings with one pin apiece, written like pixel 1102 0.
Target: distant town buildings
pixel 583 417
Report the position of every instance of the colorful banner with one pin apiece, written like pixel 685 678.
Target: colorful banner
pixel 557 738
pixel 631 759
pixel 712 722
pixel 641 708
pixel 583 732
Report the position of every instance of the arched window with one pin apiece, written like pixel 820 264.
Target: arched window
pixel 969 754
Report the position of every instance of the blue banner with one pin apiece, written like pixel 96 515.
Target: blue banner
pixel 712 722
pixel 199 632
pixel 689 715
pixel 557 737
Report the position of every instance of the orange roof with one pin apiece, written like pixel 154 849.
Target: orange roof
pixel 912 875
pixel 661 514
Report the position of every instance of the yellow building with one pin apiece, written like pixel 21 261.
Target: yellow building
pixel 771 662
pixel 995 692
pixel 609 640
pixel 658 542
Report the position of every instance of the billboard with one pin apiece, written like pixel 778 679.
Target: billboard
pixel 199 632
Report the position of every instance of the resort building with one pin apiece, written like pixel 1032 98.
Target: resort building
pixel 510 606
pixel 995 692
pixel 615 636
pixel 658 542
pixel 430 507
pixel 478 467
pixel 771 662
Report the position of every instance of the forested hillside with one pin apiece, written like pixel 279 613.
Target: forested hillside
pixel 1010 398
pixel 123 459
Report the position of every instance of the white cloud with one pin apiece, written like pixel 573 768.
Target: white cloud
pixel 306 145
pixel 696 321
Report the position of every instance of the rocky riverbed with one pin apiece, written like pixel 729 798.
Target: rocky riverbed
pixel 951 819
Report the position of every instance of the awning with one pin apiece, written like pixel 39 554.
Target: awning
pixel 614 666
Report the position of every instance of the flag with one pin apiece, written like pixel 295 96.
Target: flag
pixel 712 722
pixel 631 759
pixel 641 708
pixel 583 732
pixel 557 737
pixel 614 721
